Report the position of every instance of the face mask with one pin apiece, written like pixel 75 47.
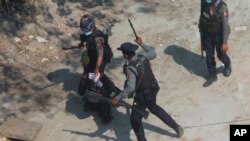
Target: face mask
pixel 209 1
pixel 87 33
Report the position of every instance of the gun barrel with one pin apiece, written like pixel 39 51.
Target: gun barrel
pixel 66 48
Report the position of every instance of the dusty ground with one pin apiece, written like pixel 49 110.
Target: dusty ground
pixel 37 76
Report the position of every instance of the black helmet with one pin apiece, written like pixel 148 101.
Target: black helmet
pixel 87 23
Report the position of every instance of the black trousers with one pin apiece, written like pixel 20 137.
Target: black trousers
pixel 211 43
pixel 147 99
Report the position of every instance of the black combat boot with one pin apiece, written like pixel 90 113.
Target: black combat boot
pixel 210 81
pixel 179 130
pixel 227 71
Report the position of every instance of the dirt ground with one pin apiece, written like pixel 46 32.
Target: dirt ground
pixel 39 80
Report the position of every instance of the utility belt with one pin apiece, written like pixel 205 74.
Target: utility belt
pixel 146 95
pixel 212 27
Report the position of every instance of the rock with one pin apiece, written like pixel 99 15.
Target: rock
pixel 17 39
pixel 41 39
pixel 45 60
pixel 31 37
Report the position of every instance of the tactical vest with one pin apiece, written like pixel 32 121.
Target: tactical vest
pixel 92 50
pixel 211 23
pixel 145 77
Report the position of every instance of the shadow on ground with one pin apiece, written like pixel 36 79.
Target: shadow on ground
pixel 24 93
pixel 120 125
pixel 189 60
pixel 69 79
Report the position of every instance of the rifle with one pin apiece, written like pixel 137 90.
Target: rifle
pixel 121 103
pixel 132 27
pixel 72 47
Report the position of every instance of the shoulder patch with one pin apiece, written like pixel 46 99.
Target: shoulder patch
pixel 99 42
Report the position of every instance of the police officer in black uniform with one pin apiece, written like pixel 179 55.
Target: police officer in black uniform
pixel 141 80
pixel 214 31
pixel 93 43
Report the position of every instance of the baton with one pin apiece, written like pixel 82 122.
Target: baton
pixel 132 27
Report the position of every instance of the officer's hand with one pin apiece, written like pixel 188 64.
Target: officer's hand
pixel 138 40
pixel 114 101
pixel 224 48
pixel 97 73
pixel 82 47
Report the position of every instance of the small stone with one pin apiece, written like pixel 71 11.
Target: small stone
pixel 17 39
pixel 31 37
pixel 41 39
pixel 45 60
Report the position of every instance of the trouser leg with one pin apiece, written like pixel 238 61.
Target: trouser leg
pixel 159 112
pixel 210 60
pixel 136 123
pixel 223 57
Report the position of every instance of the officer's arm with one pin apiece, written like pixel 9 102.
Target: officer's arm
pixel 100 52
pixel 225 24
pixel 130 84
pixel 149 51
